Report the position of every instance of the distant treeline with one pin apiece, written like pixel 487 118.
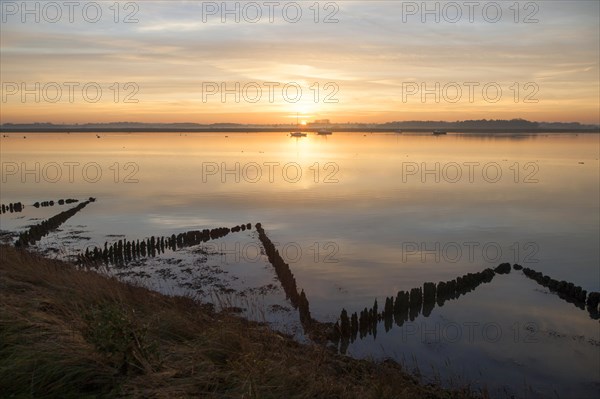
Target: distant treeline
pixel 492 124
pixel 482 125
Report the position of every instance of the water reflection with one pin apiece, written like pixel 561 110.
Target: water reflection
pixel 37 231
pixel 12 207
pixel 122 252
pixel 408 305
pixel 568 292
pixel 286 278
pixel 158 185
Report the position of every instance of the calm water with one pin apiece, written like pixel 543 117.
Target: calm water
pixel 358 217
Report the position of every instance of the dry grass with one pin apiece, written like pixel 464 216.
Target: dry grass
pixel 71 333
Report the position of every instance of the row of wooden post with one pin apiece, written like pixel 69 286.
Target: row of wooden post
pixel 407 305
pixel 568 292
pixel 286 278
pixel 12 207
pixel 124 251
pixel 36 232
pixel 15 207
pixel 44 204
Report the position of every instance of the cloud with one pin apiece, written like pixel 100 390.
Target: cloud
pixel 370 52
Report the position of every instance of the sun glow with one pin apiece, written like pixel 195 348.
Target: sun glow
pixel 392 73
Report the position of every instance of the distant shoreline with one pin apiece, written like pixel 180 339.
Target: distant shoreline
pixel 287 130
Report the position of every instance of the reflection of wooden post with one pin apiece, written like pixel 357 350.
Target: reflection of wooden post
pixel 304 310
pixel 354 325
pixel 428 298
pixel 345 324
pixel 36 232
pixel 593 300
pixel 416 300
pixel 388 313
pixel 401 308
pixel 287 280
pixel 363 323
pixel 566 290
pixel 344 343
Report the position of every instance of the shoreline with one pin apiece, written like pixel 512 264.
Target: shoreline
pixel 287 129
pixel 70 332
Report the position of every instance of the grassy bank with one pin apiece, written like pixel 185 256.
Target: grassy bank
pixel 70 333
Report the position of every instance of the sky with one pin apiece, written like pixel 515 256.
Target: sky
pixel 282 61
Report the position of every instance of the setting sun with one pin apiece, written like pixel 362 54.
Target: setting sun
pixel 362 77
pixel 292 199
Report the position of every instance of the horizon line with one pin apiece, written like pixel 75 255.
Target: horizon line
pixel 317 122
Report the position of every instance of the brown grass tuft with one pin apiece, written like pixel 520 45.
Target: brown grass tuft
pixel 73 333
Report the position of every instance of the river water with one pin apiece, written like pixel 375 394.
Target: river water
pixel 357 217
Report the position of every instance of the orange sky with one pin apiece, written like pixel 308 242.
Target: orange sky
pixel 371 62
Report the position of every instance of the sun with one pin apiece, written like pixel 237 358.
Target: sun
pixel 303 123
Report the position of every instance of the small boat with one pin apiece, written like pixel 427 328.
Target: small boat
pixel 324 132
pixel 439 132
pixel 399 131
pixel 297 133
